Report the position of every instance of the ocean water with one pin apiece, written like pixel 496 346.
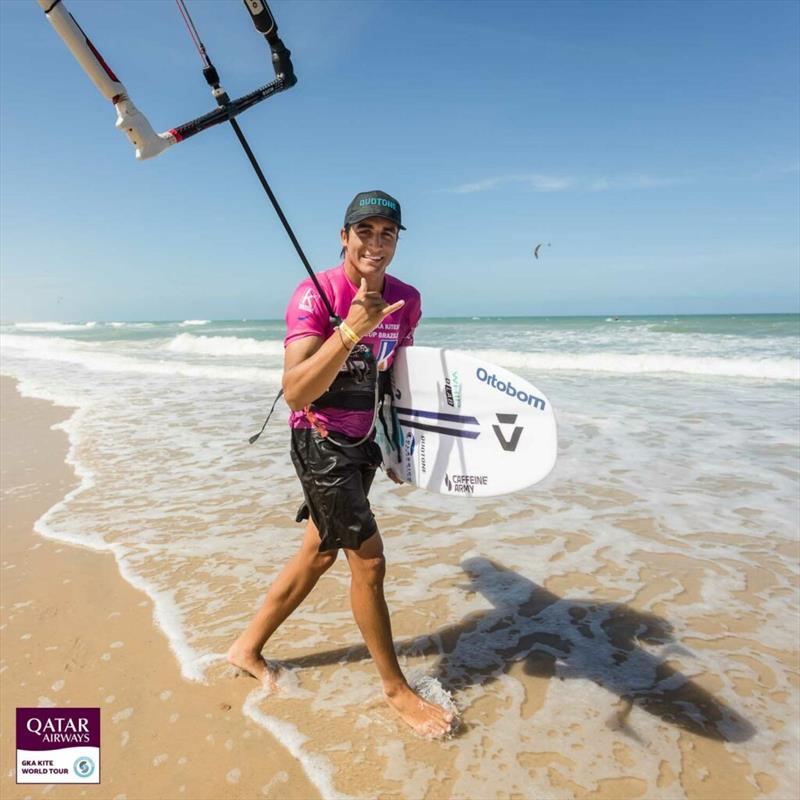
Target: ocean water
pixel 633 618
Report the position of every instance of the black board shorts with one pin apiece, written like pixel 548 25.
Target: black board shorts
pixel 336 482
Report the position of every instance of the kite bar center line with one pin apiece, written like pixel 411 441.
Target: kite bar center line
pixel 221 96
pixel 192 28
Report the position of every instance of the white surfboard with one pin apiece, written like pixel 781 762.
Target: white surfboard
pixel 464 426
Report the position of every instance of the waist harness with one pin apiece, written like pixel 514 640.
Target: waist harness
pixel 353 388
pixel 359 386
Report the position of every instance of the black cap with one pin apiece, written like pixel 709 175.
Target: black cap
pixel 373 204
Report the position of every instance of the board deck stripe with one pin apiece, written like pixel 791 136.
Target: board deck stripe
pixel 412 423
pixel 413 412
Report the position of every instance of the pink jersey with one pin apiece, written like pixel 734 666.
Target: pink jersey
pixel 306 315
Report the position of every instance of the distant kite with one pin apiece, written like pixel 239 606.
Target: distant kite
pixel 536 249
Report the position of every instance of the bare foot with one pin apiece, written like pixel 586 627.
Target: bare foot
pixel 425 718
pixel 253 664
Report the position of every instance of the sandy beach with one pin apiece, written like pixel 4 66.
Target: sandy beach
pixel 74 633
pixel 567 314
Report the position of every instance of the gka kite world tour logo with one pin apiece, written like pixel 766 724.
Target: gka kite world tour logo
pixel 58 745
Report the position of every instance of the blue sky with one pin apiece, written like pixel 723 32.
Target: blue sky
pixel 655 146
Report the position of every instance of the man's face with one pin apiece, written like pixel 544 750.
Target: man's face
pixel 371 244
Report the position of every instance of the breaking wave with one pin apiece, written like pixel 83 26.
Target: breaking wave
pixel 92 358
pixel 54 326
pixel 223 346
pixel 774 369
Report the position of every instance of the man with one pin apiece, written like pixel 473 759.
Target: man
pixel 329 384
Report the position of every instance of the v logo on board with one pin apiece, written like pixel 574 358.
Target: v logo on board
pixel 507 444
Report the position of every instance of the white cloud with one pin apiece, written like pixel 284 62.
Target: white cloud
pixel 559 183
pixel 539 183
pixel 636 181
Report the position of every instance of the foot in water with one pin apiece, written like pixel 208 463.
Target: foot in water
pixel 426 719
pixel 253 664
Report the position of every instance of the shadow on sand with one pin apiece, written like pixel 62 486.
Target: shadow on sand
pixel 568 638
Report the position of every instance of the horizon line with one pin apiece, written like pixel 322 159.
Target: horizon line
pixel 200 323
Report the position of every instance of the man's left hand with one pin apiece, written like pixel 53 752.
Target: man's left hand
pixel 390 472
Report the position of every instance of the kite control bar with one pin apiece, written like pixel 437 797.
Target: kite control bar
pixel 130 120
pixel 137 128
pixel 281 57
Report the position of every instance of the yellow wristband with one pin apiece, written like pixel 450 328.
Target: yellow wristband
pixel 346 343
pixel 348 332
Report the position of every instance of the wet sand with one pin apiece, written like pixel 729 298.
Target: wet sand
pixel 74 633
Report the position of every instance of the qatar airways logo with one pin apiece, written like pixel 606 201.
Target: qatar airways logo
pixel 59 729
pixel 507 388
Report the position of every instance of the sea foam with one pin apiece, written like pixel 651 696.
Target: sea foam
pixel 223 346
pixel 51 327
pixel 774 369
pixel 666 524
pixel 97 358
